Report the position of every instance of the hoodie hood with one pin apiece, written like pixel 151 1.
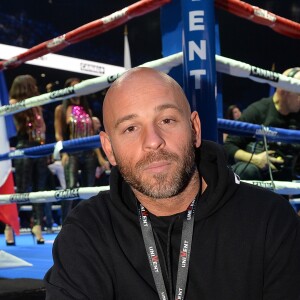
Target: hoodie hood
pixel 211 162
pixel 222 183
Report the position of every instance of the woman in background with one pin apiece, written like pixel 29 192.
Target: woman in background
pixel 30 173
pixel 72 120
pixel 233 112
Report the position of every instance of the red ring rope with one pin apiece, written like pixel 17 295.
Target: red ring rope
pixel 261 16
pixel 84 32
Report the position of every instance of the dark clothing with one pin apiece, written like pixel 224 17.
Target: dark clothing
pixel 263 112
pixel 79 125
pixel 84 161
pixel 31 176
pixel 246 243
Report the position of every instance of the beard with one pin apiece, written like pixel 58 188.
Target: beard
pixel 163 185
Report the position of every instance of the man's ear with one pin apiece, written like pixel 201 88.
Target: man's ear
pixel 106 146
pixel 196 126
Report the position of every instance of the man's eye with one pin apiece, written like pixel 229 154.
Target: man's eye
pixel 167 121
pixel 130 129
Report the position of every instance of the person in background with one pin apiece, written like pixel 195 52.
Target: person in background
pixel 30 173
pixel 248 157
pixel 177 223
pixel 72 120
pixel 233 113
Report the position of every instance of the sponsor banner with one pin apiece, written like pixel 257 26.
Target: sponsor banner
pixel 62 93
pixel 70 194
pixel 264 74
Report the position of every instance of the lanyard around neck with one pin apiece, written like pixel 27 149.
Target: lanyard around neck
pixel 184 255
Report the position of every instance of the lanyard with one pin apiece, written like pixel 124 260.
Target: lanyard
pixel 184 256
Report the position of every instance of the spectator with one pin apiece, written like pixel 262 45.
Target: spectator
pixel 30 173
pixel 233 112
pixel 73 119
pixel 250 157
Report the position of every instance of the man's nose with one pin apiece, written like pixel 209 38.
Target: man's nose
pixel 153 138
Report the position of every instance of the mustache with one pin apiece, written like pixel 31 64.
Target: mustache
pixel 155 157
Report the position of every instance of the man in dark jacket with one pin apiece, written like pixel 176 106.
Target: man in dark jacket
pixel 249 157
pixel 176 223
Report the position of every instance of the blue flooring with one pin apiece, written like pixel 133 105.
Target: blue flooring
pixel 26 248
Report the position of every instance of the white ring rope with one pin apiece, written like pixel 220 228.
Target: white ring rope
pixel 86 87
pixel 280 187
pixel 223 65
pixel 240 69
pixel 295 201
pixel 52 196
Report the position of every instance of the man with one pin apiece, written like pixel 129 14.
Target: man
pixel 176 223
pixel 249 157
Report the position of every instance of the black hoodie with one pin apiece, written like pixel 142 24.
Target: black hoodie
pixel 246 243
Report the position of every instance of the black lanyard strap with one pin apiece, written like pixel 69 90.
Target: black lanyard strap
pixel 184 255
pixel 152 252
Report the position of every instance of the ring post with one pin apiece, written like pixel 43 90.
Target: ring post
pixel 199 68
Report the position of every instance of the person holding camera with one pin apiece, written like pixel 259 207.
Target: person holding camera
pixel 251 159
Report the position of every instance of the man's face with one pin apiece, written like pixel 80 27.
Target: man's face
pixel 152 137
pixel 162 173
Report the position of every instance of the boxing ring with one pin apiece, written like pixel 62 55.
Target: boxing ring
pixel 223 65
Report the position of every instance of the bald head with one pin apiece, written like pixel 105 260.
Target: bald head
pixel 285 101
pixel 292 72
pixel 138 83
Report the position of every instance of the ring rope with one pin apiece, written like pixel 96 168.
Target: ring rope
pixel 260 16
pixel 223 65
pixel 249 129
pixel 52 196
pixel 84 32
pixel 69 146
pixel 86 87
pixel 92 142
pixel 280 187
pixel 295 201
pixel 240 69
